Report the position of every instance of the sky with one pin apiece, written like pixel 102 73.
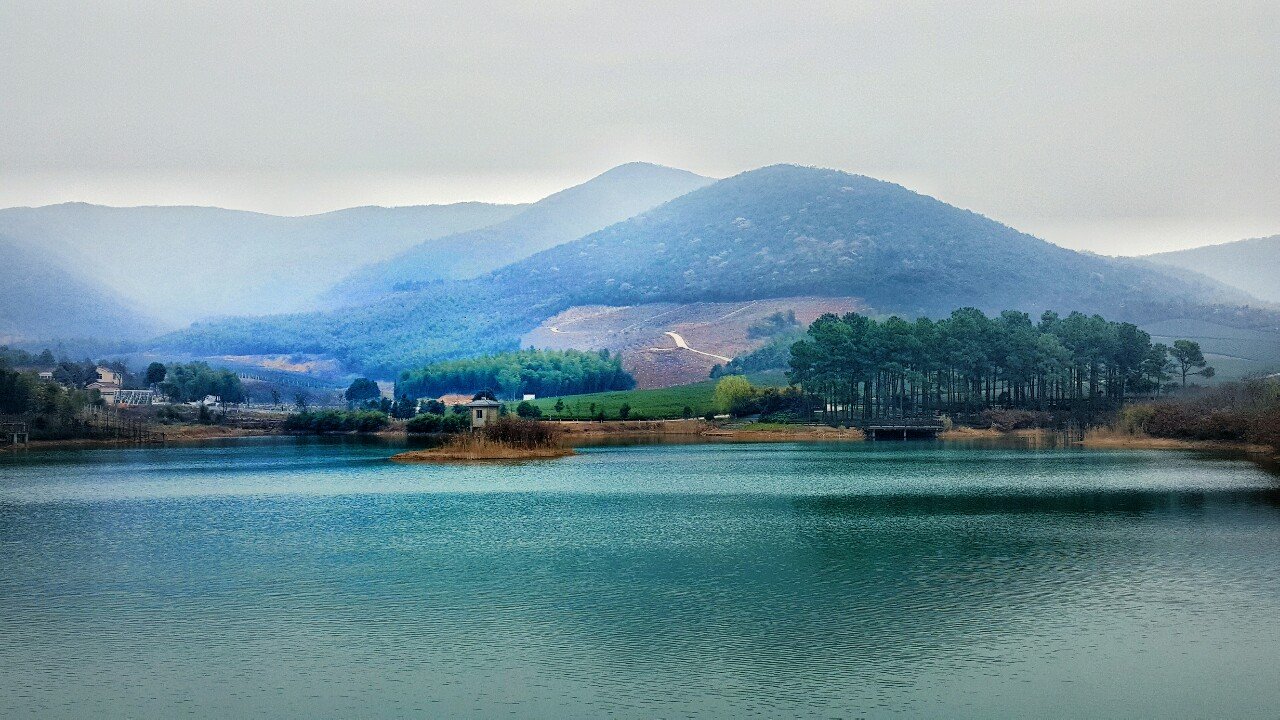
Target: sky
pixel 1120 128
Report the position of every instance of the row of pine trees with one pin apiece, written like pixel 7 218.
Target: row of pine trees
pixel 862 368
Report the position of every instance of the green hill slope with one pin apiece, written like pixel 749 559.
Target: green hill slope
pixel 775 232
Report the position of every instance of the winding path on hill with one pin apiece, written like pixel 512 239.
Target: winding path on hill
pixel 682 345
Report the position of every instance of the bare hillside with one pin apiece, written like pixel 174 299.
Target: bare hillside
pixel 711 331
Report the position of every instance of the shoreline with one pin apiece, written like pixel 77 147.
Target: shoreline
pixel 692 431
pixel 971 433
pixel 1110 439
pixel 445 454
pixel 172 434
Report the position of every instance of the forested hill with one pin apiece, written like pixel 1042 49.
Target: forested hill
pixel 616 195
pixel 775 232
pixel 40 299
pixel 184 263
pixel 787 230
pixel 1251 265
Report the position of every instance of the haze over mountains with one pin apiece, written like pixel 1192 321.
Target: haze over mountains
pixel 1251 265
pixel 616 195
pixel 38 294
pixel 184 263
pixel 771 233
pixel 424 283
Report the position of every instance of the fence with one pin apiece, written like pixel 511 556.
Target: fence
pixel 15 432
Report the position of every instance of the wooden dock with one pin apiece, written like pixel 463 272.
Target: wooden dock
pixel 901 428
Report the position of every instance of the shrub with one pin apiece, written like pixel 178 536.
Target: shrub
pixel 733 393
pixel 337 421
pixel 1006 419
pixel 522 433
pixel 436 423
pixel 1247 411
pixel 425 423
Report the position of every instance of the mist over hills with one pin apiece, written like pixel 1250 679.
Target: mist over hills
pixel 611 197
pixel 775 232
pixel 184 263
pixel 1251 265
pixel 41 300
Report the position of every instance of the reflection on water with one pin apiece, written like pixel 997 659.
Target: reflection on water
pixel 316 579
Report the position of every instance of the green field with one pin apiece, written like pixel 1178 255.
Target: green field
pixel 660 403
pixel 1233 352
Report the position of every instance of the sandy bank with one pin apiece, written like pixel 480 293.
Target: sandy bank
pixel 784 433
pixel 446 454
pixel 636 428
pixel 1105 438
pixel 969 433
pixel 693 429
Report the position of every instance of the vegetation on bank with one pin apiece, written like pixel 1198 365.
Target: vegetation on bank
pixel 50 410
pixel 512 374
pixel 319 421
pixel 431 423
pixel 507 438
pixel 862 368
pixel 1238 412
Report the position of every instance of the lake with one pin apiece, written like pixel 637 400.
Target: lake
pixel 314 578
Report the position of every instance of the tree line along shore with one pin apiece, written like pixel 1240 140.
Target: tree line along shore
pixel 997 374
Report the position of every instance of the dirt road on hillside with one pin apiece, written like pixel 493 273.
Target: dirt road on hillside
pixel 682 345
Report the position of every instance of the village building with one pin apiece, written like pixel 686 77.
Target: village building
pixel 483 412
pixel 108 384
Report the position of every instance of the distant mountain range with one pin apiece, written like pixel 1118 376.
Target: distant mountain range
pixel 184 263
pixel 616 195
pixel 775 232
pixel 41 299
pixel 1251 265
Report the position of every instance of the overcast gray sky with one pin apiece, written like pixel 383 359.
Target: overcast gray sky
pixel 1116 127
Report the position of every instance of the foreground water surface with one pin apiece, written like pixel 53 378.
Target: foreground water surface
pixel 316 579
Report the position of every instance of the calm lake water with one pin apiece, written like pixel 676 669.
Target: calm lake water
pixel 317 579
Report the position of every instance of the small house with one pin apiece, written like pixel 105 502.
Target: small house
pixel 483 412
pixel 108 385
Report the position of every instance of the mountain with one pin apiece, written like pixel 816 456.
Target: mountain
pixel 42 300
pixel 1251 265
pixel 786 230
pixel 776 232
pixel 185 263
pixel 618 194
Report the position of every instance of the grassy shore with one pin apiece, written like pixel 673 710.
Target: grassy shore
pixel 695 429
pixel 470 448
pixel 1119 439
pixel 658 403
